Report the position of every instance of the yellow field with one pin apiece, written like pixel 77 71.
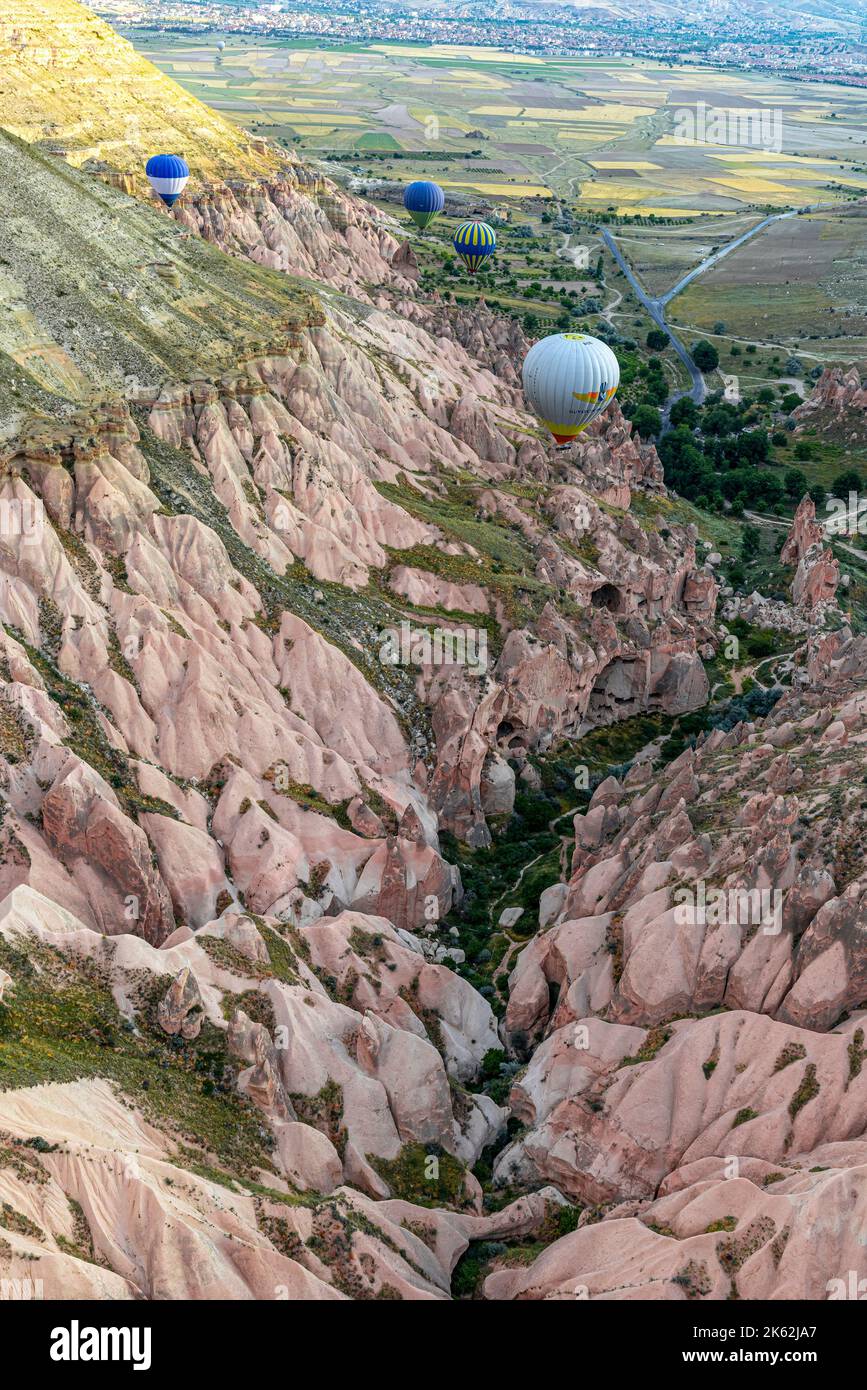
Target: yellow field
pixel 496 110
pixel 588 138
pixel 765 157
pixel 637 164
pixel 676 212
pixel 499 190
pixel 473 81
pixel 461 52
pixel 332 96
pixel 752 185
pixel 319 117
pixel 612 190
pixel 612 111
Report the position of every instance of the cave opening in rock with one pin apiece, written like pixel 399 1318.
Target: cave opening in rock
pixel 607 596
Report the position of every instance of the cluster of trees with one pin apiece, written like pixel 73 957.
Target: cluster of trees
pixel 714 453
pixel 645 390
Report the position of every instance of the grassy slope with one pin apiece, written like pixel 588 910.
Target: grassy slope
pixel 96 288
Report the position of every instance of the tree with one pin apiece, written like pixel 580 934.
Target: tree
pixel 684 412
pixel 657 340
pixel 687 470
pixel 753 446
pixel 795 483
pixel 803 450
pixel 847 482
pixel 819 495
pixel 656 390
pixel 790 401
pixel 646 421
pixel 705 356
pixel 721 419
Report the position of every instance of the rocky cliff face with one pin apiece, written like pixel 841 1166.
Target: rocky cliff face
pixel 837 405
pixel 71 85
pixel 280 606
pixel 727 887
pixel 818 572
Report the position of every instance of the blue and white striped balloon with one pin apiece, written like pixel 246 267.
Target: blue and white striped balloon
pixel 168 175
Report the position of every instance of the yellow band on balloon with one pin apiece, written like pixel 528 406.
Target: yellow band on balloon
pixel 565 431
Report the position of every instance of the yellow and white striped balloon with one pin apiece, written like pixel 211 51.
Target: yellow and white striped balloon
pixel 569 379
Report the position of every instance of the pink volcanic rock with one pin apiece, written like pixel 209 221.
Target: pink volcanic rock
pixel 805 533
pixel 327 1047
pixel 180 1009
pixel 838 403
pixel 730 1084
pixel 571 958
pixel 818 572
pixel 816 580
pixel 831 965
pixel 342 707
pixel 279 225
pixel 148 1233
pixel 382 971
pixel 406 880
pixel 252 1043
pixel 108 853
pixel 191 866
pixel 426 590
pixel 715 1239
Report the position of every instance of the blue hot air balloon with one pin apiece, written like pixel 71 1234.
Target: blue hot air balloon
pixel 168 175
pixel 424 201
pixel 474 243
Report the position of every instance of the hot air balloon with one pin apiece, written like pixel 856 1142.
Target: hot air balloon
pixel 569 379
pixel 424 201
pixel 168 175
pixel 221 44
pixel 474 243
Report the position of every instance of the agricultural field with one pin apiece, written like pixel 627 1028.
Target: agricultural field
pixel 801 285
pixel 625 136
pixel 679 161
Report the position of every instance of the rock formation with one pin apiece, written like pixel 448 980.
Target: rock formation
pixel 296 608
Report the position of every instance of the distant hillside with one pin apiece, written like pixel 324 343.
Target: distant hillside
pixel 68 82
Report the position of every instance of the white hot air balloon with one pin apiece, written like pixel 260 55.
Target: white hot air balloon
pixel 569 379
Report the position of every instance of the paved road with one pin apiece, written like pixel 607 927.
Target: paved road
pixel 654 308
pixel 723 251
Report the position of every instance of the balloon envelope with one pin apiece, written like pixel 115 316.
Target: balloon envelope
pixel 474 243
pixel 569 379
pixel 424 201
pixel 168 175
